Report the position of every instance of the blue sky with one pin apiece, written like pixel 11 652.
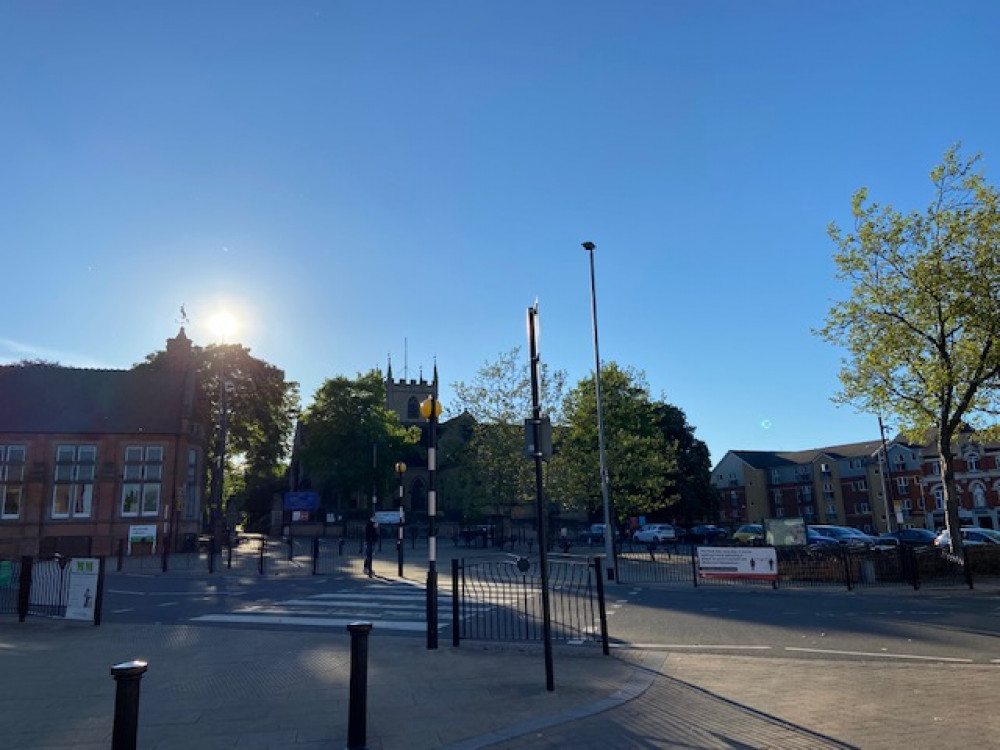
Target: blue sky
pixel 360 179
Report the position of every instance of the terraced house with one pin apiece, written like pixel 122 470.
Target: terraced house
pixel 860 485
pixel 91 458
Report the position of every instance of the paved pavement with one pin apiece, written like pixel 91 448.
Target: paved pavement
pixel 219 687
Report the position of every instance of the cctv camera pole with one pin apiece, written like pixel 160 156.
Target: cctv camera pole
pixel 609 530
pixel 543 545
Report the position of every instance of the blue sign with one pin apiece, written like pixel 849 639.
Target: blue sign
pixel 301 501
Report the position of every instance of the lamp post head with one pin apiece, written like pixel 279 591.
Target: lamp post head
pixel 589 246
pixel 400 468
pixel 425 407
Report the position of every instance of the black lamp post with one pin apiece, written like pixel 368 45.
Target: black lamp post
pixel 430 409
pixel 400 471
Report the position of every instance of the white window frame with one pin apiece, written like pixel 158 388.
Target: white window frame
pixel 74 481
pixel 862 508
pixel 142 482
pixel 902 483
pixel 978 496
pixel 857 463
pixel 972 462
pixel 939 498
pixel 861 485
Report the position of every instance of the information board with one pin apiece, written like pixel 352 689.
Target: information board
pixel 82 588
pixel 757 563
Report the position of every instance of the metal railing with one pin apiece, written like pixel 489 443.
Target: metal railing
pixel 834 565
pixel 501 600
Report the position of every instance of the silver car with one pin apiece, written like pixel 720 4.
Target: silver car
pixel 655 533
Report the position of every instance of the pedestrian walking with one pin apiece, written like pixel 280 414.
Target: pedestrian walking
pixel 371 536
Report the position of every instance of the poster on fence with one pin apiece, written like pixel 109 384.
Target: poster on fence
pixel 755 563
pixel 82 588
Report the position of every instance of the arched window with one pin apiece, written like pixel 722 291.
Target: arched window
pixel 978 496
pixel 418 497
pixel 413 408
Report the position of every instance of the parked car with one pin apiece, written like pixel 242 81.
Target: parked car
pixel 971 535
pixel 706 533
pixel 655 533
pixel 845 535
pixel 593 534
pixel 749 533
pixel 814 539
pixel 907 538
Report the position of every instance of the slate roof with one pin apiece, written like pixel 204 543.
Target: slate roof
pixel 51 399
pixel 773 459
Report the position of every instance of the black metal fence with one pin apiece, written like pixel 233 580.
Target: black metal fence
pixel 41 587
pixel 833 565
pixel 502 600
pixel 265 556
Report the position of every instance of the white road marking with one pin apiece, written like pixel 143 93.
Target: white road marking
pixel 912 657
pixel 409 626
pixel 662 646
pixel 168 604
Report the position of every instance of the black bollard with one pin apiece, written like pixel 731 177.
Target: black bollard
pixel 340 547
pixel 127 677
pixel 315 555
pixel 211 554
pixel 357 712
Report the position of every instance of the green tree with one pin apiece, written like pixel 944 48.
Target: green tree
pixel 641 456
pixel 690 484
pixel 351 440
pixel 261 407
pixel 921 328
pixel 489 474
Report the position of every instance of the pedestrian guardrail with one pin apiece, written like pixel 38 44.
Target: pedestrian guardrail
pixel 828 565
pixel 501 600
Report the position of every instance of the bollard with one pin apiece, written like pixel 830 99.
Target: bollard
pixel 315 555
pixel 164 552
pixel 211 555
pixel 291 549
pixel 340 547
pixel 357 712
pixel 229 557
pixel 121 554
pixel 127 677
pixel 263 550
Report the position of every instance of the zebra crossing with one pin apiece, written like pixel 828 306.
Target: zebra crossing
pixel 389 605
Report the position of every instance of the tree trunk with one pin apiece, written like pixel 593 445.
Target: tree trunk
pixel 952 520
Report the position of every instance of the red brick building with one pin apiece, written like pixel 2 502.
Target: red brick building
pixel 88 457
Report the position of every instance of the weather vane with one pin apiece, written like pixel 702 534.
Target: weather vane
pixel 183 319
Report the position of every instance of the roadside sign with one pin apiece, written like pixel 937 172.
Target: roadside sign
pixel 82 588
pixel 387 516
pixel 755 563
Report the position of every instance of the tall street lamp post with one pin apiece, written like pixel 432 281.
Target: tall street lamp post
pixel 430 409
pixel 400 471
pixel 609 545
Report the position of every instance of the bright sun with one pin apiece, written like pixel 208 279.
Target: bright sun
pixel 223 324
